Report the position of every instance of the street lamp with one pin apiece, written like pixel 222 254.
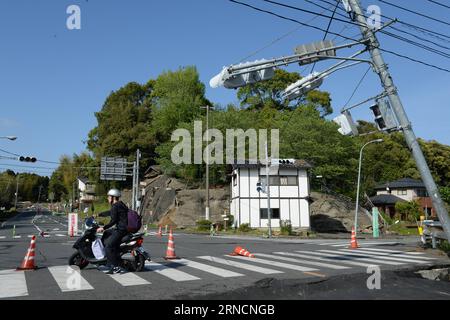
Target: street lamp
pixel 12 138
pixel 359 180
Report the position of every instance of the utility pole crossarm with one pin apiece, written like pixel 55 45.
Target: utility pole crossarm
pixel 397 106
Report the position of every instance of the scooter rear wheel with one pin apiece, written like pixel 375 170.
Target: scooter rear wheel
pixel 77 260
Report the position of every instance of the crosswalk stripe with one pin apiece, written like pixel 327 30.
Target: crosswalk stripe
pixel 2 237
pixel 356 255
pixel 60 235
pixel 372 261
pixel 128 279
pixel 394 251
pixel 169 272
pixel 385 257
pixel 331 243
pixel 322 258
pixel 69 279
pixel 236 264
pixel 210 269
pixel 13 284
pixel 365 244
pixel 276 264
pixel 302 261
pixel 393 255
pixel 17 237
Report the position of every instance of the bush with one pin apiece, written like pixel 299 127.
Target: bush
pixel 245 227
pixel 409 210
pixel 286 227
pixel 204 225
pixel 444 246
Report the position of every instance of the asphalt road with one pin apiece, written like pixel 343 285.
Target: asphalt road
pixel 282 268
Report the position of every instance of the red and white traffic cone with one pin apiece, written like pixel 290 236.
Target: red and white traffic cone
pixel 239 251
pixel 170 253
pixel 354 242
pixel 28 261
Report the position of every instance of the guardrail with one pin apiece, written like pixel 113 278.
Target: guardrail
pixel 433 231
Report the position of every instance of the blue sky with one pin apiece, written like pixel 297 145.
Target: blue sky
pixel 52 80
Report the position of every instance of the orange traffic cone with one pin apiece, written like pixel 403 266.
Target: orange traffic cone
pixel 159 234
pixel 170 253
pixel 239 251
pixel 354 242
pixel 28 261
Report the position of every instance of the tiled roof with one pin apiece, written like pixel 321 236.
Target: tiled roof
pixel 401 184
pixel 384 199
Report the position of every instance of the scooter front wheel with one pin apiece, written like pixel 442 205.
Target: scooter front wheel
pixel 77 260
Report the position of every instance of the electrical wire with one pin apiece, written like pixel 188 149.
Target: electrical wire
pixel 414 12
pixel 357 88
pixel 429 32
pixel 398 37
pixel 342 36
pixel 439 4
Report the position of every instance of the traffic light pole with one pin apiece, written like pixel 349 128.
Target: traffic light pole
pixel 382 70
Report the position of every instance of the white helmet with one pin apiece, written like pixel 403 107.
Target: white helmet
pixel 114 193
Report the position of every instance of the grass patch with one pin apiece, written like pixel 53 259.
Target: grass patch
pixel 402 229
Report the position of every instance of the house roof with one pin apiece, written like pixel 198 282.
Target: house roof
pixel 83 179
pixel 401 184
pixel 385 199
pixel 284 164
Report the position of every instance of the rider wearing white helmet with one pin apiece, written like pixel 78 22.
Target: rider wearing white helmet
pixel 112 236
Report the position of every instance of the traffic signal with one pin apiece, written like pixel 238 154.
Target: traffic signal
pixel 384 116
pixel 243 74
pixel 27 159
pixel 302 87
pixel 347 125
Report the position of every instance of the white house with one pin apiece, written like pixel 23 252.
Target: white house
pixel 289 194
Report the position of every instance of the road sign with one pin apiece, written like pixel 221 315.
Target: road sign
pixel 113 169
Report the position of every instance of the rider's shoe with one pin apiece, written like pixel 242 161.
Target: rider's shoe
pixel 115 270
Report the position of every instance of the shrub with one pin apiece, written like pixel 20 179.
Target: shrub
pixel 204 225
pixel 245 227
pixel 410 210
pixel 444 246
pixel 286 227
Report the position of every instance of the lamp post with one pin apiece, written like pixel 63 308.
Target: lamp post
pixel 359 180
pixel 207 214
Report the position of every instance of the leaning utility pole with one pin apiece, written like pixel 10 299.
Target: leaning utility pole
pixel 382 70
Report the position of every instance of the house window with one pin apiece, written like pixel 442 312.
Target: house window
pixel 402 192
pixel 274 213
pixel 288 181
pixel 274 180
pixel 422 193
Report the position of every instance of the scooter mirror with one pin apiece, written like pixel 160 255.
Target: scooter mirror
pixel 90 222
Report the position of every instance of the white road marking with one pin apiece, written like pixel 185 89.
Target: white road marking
pixel 353 263
pixel 363 257
pixel 362 244
pixel 2 237
pixel 17 237
pixel 244 266
pixel 343 259
pixel 69 279
pixel 13 284
pixel 394 251
pixel 393 255
pixel 302 261
pixel 129 279
pixel 276 264
pixel 210 269
pixel 331 243
pixel 60 235
pixel 169 272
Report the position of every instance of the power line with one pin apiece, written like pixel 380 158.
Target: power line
pixel 439 4
pixel 357 87
pixel 415 12
pixel 278 39
pixel 342 36
pixel 429 32
pixel 328 29
pixel 411 42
